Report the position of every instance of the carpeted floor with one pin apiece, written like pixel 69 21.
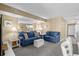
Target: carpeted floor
pixel 49 49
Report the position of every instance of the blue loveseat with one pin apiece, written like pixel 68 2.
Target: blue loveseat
pixel 52 36
pixel 31 37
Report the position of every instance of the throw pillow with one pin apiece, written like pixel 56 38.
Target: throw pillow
pixel 21 37
pixel 37 34
pixel 26 36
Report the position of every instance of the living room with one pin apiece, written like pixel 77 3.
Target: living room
pixel 27 34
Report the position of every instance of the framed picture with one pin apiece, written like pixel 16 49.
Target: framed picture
pixel 7 23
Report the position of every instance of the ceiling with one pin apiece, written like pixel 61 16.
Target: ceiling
pixel 20 19
pixel 47 10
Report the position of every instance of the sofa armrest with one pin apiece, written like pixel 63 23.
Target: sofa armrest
pixel 22 40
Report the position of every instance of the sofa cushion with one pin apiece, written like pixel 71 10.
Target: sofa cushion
pixel 26 36
pixel 31 34
pixel 21 35
pixel 54 33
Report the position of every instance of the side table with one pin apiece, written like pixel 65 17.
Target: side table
pixel 42 36
pixel 13 43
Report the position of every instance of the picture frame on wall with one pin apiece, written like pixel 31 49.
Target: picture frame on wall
pixel 7 23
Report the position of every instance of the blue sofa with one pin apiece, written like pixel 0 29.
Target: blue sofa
pixel 52 36
pixel 31 37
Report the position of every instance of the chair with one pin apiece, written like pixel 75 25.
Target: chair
pixel 67 48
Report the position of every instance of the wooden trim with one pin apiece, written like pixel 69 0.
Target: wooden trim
pixel 0 34
pixel 7 8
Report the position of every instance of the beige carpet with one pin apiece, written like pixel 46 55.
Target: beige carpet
pixel 49 49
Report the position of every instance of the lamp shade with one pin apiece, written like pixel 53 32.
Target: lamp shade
pixel 14 29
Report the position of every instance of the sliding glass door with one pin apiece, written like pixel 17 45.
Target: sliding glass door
pixel 71 30
pixel 77 31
